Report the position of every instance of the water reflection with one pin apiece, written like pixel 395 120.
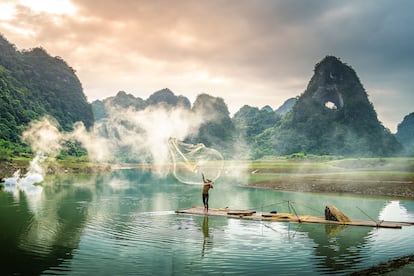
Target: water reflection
pixel 207 242
pixel 346 248
pixel 337 248
pixel 27 185
pixel 40 230
pixel 123 223
pixel 395 211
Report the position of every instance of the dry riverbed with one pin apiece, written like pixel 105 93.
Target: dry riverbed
pixel 392 177
pixel 400 187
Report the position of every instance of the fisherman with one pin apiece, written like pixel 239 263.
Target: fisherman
pixel 208 184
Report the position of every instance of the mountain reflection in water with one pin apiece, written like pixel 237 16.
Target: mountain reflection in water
pixel 124 223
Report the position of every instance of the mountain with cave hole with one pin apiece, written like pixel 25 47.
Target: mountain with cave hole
pixel 333 116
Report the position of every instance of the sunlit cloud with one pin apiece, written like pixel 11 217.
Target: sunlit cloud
pixel 50 6
pixel 7 11
pixel 18 30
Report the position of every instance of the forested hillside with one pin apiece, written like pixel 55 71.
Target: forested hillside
pixel 218 129
pixel 405 133
pixel 34 84
pixel 333 116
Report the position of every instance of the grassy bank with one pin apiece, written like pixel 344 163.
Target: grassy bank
pixel 368 176
pixel 53 166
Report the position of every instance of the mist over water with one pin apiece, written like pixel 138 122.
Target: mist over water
pixel 144 133
pixel 129 135
pixel 45 139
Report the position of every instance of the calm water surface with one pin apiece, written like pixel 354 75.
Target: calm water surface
pixel 124 224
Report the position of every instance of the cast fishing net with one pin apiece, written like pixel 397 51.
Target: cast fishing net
pixel 189 161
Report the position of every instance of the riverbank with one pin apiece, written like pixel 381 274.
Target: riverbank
pixel 340 184
pixel 7 168
pixel 390 177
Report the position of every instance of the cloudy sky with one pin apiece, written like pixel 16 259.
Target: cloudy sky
pixel 258 52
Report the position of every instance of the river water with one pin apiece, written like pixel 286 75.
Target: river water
pixel 124 223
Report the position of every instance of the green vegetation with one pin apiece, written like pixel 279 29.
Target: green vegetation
pixel 34 84
pixel 369 176
pixel 251 124
pixel 218 130
pixel 13 151
pixel 405 134
pixel 332 117
pixel 72 149
pixel 75 165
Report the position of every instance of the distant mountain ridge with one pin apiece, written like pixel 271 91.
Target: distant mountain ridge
pixel 405 133
pixel 217 131
pixel 286 106
pixel 164 97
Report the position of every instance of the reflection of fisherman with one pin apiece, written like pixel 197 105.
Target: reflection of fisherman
pixel 208 184
pixel 205 227
pixel 206 234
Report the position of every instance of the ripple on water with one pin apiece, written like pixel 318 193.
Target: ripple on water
pixel 163 243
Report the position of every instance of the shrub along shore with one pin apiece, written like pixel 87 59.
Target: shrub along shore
pixel 73 165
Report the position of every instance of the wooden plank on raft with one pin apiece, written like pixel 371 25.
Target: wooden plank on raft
pixel 241 212
pixel 253 215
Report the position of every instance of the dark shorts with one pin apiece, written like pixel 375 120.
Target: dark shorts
pixel 205 199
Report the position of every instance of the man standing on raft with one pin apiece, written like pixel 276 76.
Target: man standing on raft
pixel 208 184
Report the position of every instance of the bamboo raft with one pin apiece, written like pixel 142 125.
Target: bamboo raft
pixel 286 217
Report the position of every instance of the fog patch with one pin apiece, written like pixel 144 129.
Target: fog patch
pixel 43 136
pixel 125 136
